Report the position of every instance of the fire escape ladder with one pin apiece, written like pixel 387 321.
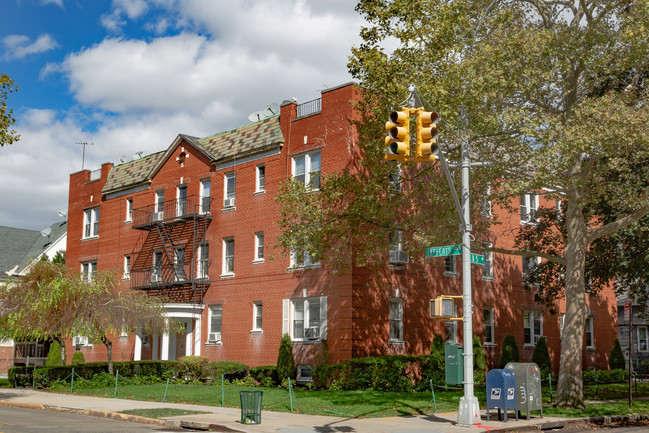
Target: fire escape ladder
pixel 169 249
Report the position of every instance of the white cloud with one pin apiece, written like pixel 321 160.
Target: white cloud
pixel 132 8
pixel 19 46
pixel 112 22
pixel 58 3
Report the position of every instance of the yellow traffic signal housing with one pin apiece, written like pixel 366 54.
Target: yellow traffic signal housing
pixel 398 138
pixel 426 143
pixel 444 307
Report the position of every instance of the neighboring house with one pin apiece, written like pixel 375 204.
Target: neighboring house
pixel 639 333
pixel 196 224
pixel 19 250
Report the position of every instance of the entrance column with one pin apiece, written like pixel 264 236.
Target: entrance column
pixel 137 352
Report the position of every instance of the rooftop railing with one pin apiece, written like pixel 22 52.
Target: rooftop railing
pixel 309 107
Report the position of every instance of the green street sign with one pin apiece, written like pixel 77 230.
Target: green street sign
pixel 450 250
pixel 478 259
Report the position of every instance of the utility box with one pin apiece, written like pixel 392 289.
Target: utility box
pixel 501 391
pixel 454 363
pixel 528 385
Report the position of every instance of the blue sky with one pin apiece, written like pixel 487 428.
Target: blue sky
pixel 129 75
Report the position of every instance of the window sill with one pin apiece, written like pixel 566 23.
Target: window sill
pixel 451 274
pixel 231 275
pixel 128 221
pixel 257 331
pixel 126 278
pixel 488 279
pixel 214 343
pixel 90 238
pixel 306 341
pixel 592 349
pixel 259 192
pixel 229 209
pixel 489 345
pixel 396 342
pixel 256 261
pixel 299 268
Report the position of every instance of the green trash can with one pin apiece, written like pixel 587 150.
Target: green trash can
pixel 250 406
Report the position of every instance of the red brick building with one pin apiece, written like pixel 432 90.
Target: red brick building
pixel 196 223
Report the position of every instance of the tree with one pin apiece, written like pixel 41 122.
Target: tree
pixel 479 361
pixel 285 360
pixel 509 351
pixel 541 357
pixel 533 86
pixel 7 136
pixel 616 357
pixel 54 358
pixel 54 301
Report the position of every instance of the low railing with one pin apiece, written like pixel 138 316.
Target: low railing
pixel 309 107
pixel 30 353
pixel 170 275
pixel 172 209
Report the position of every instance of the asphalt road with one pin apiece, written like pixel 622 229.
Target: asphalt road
pixel 19 420
pixel 635 427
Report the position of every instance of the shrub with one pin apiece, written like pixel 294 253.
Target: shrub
pixel 266 375
pixel 78 358
pixel 54 355
pixel 231 370
pixel 616 357
pixel 437 346
pixel 320 369
pixel 591 377
pixel 479 362
pixel 541 357
pixel 192 368
pixel 285 361
pixel 509 351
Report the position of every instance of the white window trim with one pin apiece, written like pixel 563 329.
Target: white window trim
pixel 307 261
pixel 533 337
pixel 129 210
pixel 400 339
pixel 156 267
pixel 159 205
pixel 229 199
pixel 492 339
pixel 308 156
pixel 646 339
pixel 453 272
pixel 127 267
pixel 81 341
pixel 529 206
pixel 224 271
pixel 289 315
pixel 488 263
pixel 218 341
pixel 590 328
pixel 394 179
pixel 260 189
pixel 181 207
pixel 257 310
pixel 396 253
pixel 202 263
pixel 203 208
pixel 259 241
pixel 88 275
pixel 91 220
pixel 531 263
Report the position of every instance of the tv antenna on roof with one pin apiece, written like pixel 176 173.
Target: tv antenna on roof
pixel 84 144
pixel 46 232
pixel 270 110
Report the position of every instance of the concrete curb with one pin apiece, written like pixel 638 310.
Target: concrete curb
pixel 595 420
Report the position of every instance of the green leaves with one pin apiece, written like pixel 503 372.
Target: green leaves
pixel 7 136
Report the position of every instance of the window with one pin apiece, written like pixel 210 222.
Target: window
pixel 450 265
pixel 394 179
pixel 451 331
pixel 181 197
pixel 562 319
pixel 261 178
pixel 306 169
pixel 396 254
pixel 91 223
pixel 529 206
pixel 396 320
pixel 216 321
pixel 532 326
pixel 590 338
pixel 488 314
pixel 159 206
pixel 156 268
pixel 485 202
pixel 229 188
pixel 129 209
pixel 202 264
pixel 127 266
pixel 301 258
pixel 179 263
pixel 256 316
pixel 80 341
pixel 228 256
pixel 205 196
pixel 488 267
pixel 643 339
pixel 309 318
pixel 529 263
pixel 305 373
pixel 259 247
pixel 88 270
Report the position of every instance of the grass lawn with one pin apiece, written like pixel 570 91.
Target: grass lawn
pixel 365 404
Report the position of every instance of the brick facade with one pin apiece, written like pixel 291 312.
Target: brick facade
pixel 356 305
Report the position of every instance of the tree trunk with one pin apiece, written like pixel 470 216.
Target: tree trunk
pixel 570 388
pixel 109 350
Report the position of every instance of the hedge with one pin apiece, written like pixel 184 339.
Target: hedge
pixel 605 376
pixel 265 371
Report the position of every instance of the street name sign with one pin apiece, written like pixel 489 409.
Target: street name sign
pixel 478 259
pixel 449 250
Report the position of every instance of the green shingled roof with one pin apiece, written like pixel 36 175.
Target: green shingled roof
pixel 243 141
pixel 14 244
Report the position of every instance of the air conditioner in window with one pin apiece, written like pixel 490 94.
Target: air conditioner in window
pixel 228 202
pixel 79 341
pixel 214 337
pixel 312 333
pixel 156 277
pixel 398 256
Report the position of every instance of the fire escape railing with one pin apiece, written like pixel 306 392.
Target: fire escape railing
pixel 171 210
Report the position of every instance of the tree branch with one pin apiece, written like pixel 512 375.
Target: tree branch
pixel 618 224
pixel 528 253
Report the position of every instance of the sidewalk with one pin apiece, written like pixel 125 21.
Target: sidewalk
pixel 227 419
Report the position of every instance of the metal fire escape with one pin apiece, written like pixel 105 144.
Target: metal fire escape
pixel 170 259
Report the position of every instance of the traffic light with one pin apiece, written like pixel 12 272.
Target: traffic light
pixel 398 138
pixel 442 307
pixel 426 143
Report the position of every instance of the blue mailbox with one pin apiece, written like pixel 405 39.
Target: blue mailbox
pixel 501 392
